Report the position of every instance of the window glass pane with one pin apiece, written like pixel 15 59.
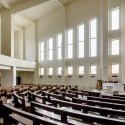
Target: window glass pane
pixel 93 47
pixel 115 68
pixel 70 51
pixel 93 28
pixel 50 71
pixel 81 32
pixel 42 46
pixel 59 70
pixel 59 53
pixel 70 70
pixel 70 36
pixel 41 71
pixel 50 54
pixel 81 49
pixel 115 19
pixel 93 70
pixel 115 47
pixel 81 70
pixel 59 39
pixel 42 56
pixel 50 43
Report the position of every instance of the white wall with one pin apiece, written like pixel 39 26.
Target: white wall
pixel 75 13
pixel 116 35
pixel 48 27
pixel 8 61
pixel 18 44
pixel 0 35
pixel 30 45
pixel 27 77
pixel 79 11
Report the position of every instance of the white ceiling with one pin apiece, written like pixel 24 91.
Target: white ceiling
pixel 8 3
pixel 39 11
pixel 26 17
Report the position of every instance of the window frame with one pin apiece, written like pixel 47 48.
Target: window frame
pixel 59 46
pixel 49 71
pixel 93 38
pixel 49 49
pixel 58 71
pixel 40 71
pixel 118 69
pixel 91 69
pixel 79 41
pixel 78 70
pixel 42 51
pixel 68 71
pixel 112 47
pixel 69 44
pixel 110 18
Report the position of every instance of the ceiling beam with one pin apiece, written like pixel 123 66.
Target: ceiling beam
pixel 4 4
pixel 59 3
pixel 25 5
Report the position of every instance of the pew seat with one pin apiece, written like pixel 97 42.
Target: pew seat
pixel 57 117
pixel 21 119
pixel 14 116
pixel 86 117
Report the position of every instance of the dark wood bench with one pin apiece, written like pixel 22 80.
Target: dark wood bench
pixel 1 108
pixel 66 96
pixel 119 101
pixel 113 97
pixel 13 116
pixel 21 102
pixel 78 93
pixel 89 118
pixel 38 98
pixel 118 95
pixel 50 96
pixel 90 93
pixel 88 108
pixel 99 103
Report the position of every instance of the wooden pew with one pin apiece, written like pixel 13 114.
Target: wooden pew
pixel 91 93
pixel 1 108
pixel 96 94
pixel 38 98
pixel 66 96
pixel 88 108
pixel 13 116
pixel 78 93
pixel 113 97
pixel 119 101
pixel 119 95
pixel 99 103
pixel 68 87
pixel 50 96
pixel 21 102
pixel 90 118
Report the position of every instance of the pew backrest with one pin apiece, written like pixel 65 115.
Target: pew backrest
pixel 36 120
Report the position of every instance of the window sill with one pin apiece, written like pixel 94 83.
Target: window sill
pixel 92 75
pixel 59 76
pixel 69 76
pixel 114 76
pixel 50 76
pixel 80 76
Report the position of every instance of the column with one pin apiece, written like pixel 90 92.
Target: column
pixel 7 33
pixel 104 39
pixel 123 40
pixel 8 77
